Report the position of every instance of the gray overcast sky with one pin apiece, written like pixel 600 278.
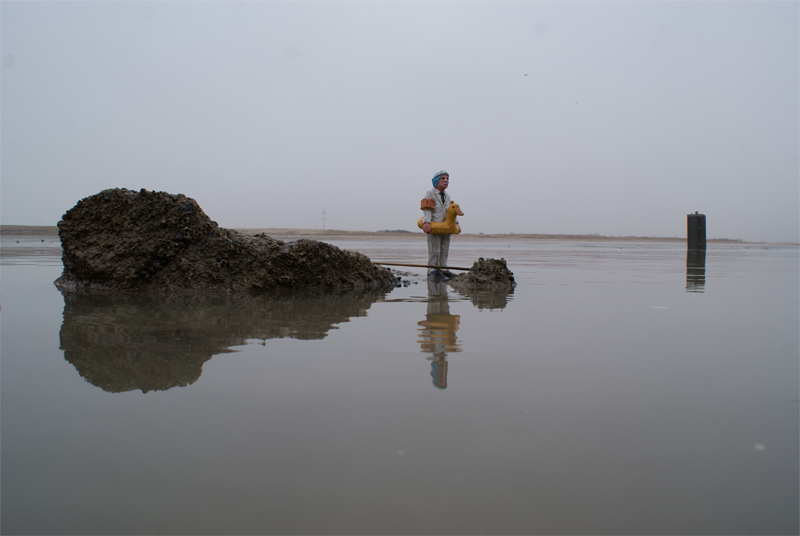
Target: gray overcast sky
pixel 632 114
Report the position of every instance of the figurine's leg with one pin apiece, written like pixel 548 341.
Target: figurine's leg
pixel 433 251
pixel 444 250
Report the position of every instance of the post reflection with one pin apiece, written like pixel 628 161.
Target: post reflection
pixel 437 335
pixel 695 270
pixel 154 343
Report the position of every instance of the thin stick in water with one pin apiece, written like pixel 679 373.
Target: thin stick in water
pixel 421 266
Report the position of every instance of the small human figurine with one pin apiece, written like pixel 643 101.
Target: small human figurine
pixel 434 208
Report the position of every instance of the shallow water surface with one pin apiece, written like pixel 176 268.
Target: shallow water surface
pixel 620 388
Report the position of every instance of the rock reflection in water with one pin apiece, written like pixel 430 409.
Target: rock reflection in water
pixel 496 298
pixel 154 343
pixel 695 270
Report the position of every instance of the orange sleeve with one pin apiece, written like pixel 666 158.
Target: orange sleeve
pixel 427 203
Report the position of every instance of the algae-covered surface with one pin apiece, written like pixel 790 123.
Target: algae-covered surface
pixel 617 388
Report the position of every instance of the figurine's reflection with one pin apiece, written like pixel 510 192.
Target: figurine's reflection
pixel 695 270
pixel 438 333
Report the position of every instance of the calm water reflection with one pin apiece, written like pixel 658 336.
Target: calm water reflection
pixel 695 270
pixel 621 388
pixel 438 333
pixel 126 342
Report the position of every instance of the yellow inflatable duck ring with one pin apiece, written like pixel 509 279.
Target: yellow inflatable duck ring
pixel 448 226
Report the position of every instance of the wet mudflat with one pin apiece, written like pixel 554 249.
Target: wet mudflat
pixel 620 388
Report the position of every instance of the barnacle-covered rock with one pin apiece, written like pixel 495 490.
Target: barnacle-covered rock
pixel 485 274
pixel 120 239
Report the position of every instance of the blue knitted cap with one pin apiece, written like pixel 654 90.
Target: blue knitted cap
pixel 435 179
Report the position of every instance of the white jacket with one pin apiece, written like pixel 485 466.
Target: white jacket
pixel 439 213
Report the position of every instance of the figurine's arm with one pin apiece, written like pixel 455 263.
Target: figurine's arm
pixel 427 205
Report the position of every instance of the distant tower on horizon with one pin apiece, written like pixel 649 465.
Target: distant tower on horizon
pixel 323 219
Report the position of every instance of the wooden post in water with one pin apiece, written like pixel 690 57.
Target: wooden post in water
pixel 696 231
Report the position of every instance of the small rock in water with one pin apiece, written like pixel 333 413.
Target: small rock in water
pixel 486 273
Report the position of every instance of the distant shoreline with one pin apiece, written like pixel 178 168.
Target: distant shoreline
pixel 28 230
pixel 319 234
